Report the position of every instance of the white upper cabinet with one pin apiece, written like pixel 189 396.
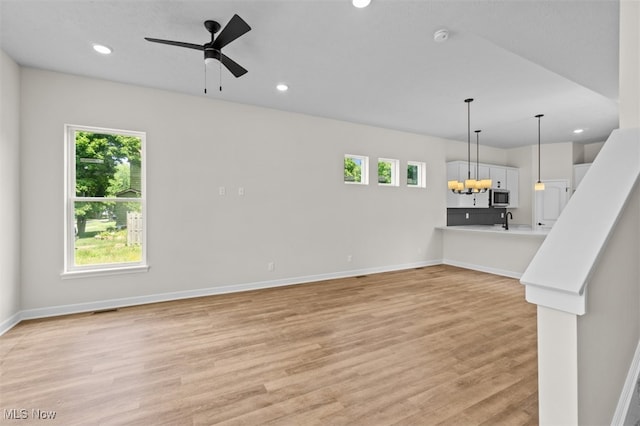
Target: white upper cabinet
pixel 498 176
pixel 513 182
pixel 501 177
pixel 483 172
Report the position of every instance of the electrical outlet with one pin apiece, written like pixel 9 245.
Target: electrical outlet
pixel 349 258
pixel 271 266
pixel 241 191
pixel 222 190
pixel 501 215
pixel 466 215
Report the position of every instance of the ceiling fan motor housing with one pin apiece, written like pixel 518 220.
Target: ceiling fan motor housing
pixel 211 54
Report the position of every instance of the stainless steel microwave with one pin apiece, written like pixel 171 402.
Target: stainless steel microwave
pixel 499 198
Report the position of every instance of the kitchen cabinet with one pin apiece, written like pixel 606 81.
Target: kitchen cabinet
pixel 484 172
pixel 498 177
pixel 501 177
pixel 459 170
pixel 513 182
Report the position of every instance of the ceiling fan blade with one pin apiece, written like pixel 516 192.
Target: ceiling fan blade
pixel 234 29
pixel 235 69
pixel 176 43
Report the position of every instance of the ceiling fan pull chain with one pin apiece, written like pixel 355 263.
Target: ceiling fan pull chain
pixel 220 71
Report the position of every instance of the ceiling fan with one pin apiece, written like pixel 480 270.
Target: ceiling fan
pixel 213 49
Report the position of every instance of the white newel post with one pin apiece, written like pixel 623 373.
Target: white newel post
pixel 557 367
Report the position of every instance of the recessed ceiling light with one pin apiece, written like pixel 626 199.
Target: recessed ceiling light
pixel 282 87
pixel 578 131
pixel 441 35
pixel 360 3
pixel 102 49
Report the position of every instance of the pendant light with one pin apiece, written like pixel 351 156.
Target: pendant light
pixel 539 186
pixel 469 184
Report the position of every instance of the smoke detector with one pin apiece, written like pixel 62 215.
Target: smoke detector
pixel 441 35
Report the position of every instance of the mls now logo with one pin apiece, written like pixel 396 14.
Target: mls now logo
pixel 23 414
pixel 16 414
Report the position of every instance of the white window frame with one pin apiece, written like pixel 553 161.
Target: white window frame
pixel 422 174
pixel 395 171
pixel 77 271
pixel 364 169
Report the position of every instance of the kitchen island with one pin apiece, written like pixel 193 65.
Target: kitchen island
pixel 491 248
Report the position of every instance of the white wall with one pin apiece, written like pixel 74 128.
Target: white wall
pixel 586 153
pixel 591 150
pixel 629 63
pixel 556 161
pixel 608 333
pixel 9 191
pixel 522 159
pixel 459 151
pixel 630 118
pixel 296 211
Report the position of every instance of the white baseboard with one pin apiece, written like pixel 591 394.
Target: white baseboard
pixel 10 322
pixel 53 311
pixel 489 270
pixel 626 395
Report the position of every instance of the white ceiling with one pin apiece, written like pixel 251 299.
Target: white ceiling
pixel 377 66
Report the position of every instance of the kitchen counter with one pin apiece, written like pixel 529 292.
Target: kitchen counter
pixel 498 229
pixel 491 248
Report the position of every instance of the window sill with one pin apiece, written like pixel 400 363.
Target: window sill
pixel 104 272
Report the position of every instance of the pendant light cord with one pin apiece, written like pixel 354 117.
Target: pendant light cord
pixel 469 140
pixel 538 149
pixel 478 154
pixel 468 101
pixel 538 117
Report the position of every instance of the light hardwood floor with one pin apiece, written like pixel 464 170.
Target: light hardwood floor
pixel 437 345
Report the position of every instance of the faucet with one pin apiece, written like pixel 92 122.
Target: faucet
pixel 506 221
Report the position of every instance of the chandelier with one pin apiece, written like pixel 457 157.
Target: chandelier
pixel 470 186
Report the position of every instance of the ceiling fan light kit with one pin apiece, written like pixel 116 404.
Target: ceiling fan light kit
pixel 360 3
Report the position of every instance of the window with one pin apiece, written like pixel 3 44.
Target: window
pixel 356 169
pixel 388 172
pixel 416 174
pixel 105 201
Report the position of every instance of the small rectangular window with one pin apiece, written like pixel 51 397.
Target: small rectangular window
pixel 356 169
pixel 416 174
pixel 388 172
pixel 106 200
